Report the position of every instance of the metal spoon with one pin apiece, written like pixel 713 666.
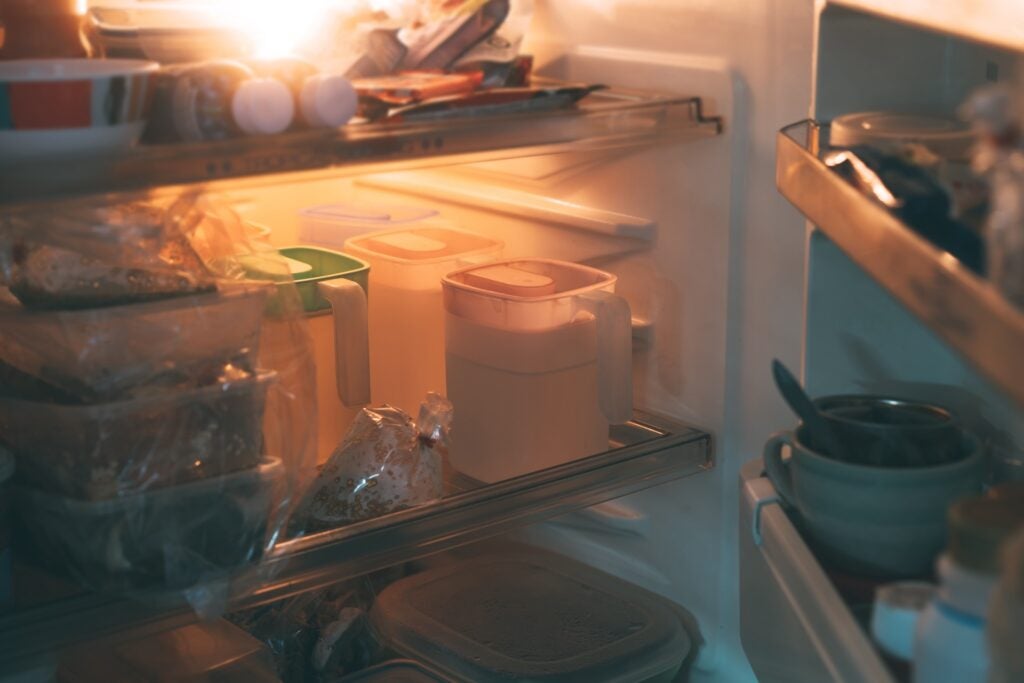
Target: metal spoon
pixel 801 404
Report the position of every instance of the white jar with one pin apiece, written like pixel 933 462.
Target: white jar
pixel 950 642
pixel 950 645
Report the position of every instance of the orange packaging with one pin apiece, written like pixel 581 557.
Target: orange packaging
pixel 415 86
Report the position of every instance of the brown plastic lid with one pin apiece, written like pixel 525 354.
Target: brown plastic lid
pixel 979 526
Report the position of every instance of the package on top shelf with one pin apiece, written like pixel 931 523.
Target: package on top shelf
pixel 160 435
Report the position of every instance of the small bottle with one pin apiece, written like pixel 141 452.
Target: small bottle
pixel 322 100
pixel 217 100
pixel 950 644
pixel 1006 616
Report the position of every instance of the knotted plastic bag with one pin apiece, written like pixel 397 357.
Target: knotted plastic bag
pixel 387 462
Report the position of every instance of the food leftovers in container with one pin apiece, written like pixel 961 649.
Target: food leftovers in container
pixel 107 450
pixel 215 652
pixel 169 538
pixel 530 616
pixel 107 353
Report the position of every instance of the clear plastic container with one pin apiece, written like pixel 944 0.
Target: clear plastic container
pixel 406 315
pixel 215 651
pixel 539 361
pixel 105 352
pixel 170 538
pixel 102 451
pixel 396 671
pixel 530 616
pixel 331 225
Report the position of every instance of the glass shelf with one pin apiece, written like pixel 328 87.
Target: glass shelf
pixel 644 453
pixel 606 119
pixel 960 307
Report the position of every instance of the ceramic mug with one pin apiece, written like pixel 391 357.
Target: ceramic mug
pixel 876 521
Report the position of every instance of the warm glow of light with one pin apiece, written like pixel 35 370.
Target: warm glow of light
pixel 276 28
pixel 81 6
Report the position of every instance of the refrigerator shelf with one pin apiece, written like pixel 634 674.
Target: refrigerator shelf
pixel 957 305
pixel 645 452
pixel 605 120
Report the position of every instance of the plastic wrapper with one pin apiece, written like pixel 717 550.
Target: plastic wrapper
pixel 320 635
pixel 387 462
pixel 160 437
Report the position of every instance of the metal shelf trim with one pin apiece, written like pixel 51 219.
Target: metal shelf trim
pixel 964 310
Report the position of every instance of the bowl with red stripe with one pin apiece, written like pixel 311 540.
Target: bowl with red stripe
pixel 72 107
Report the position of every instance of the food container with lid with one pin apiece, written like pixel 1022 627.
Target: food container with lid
pixel 106 450
pixel 406 313
pixel 538 355
pixel 331 225
pixel 213 651
pixel 168 538
pixel 103 353
pixel 396 671
pixel 531 616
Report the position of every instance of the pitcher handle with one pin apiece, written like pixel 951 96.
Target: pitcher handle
pixel 780 475
pixel 614 354
pixel 351 339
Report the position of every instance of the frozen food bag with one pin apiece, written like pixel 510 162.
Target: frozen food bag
pixel 159 442
pixel 387 462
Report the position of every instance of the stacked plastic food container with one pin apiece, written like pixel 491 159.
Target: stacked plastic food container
pixel 133 398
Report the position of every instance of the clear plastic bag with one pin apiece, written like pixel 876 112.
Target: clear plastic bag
pixel 320 635
pixel 387 462
pixel 159 438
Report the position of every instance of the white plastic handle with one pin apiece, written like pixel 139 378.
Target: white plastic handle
pixel 614 353
pixel 351 339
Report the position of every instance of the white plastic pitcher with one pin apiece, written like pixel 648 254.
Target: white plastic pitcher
pixel 539 362
pixel 406 311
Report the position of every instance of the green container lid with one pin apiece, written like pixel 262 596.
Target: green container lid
pixel 323 264
pixel 309 266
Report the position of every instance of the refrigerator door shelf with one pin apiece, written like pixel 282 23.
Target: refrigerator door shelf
pixel 794 626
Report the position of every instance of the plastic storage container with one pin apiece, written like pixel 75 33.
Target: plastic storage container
pixel 215 652
pixel 539 362
pixel 169 538
pixel 105 352
pixel 406 313
pixel 107 450
pixel 331 225
pixel 530 617
pixel 396 671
